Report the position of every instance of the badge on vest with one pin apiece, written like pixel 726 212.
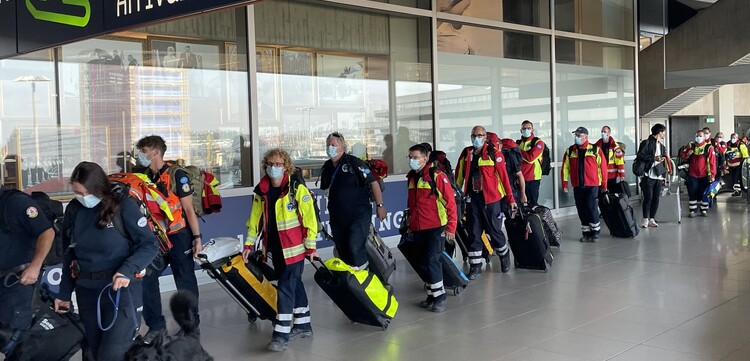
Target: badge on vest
pixel 345 168
pixel 290 206
pixel 32 212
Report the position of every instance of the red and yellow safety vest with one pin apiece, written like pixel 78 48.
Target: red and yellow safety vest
pixel 493 173
pixel 594 167
pixel 429 209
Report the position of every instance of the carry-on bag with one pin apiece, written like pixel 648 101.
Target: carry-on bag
pixel 380 257
pixel 670 209
pixel 618 215
pixel 358 293
pixel 527 240
pixel 711 191
pixel 244 282
pixel 462 236
pixel 551 230
pixel 453 277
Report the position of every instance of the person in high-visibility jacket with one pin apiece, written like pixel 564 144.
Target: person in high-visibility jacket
pixel 615 157
pixel 433 212
pixel 290 229
pixel 481 173
pixel 532 150
pixel 585 164
pixel 701 173
pixel 736 154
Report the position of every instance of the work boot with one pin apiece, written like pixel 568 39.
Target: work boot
pixel 299 333
pixel 439 305
pixel 428 302
pixel 505 262
pixel 594 237
pixel 692 215
pixel 585 238
pixel 277 344
pixel 474 272
pixel 704 214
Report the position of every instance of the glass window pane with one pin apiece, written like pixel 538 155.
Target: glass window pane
pixel 371 82
pixel 421 4
pixel 29 155
pixel 527 12
pixel 188 85
pixel 494 87
pixel 593 94
pixel 607 18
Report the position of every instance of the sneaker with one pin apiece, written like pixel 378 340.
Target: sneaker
pixel 505 262
pixel 474 272
pixel 652 223
pixel 277 344
pixel 428 302
pixel 152 335
pixel 439 305
pixel 299 333
pixel 645 223
pixel 704 214
pixel 692 215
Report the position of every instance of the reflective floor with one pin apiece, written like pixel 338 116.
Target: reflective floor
pixel 678 292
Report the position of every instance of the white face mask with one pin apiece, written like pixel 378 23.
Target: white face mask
pixel 719 139
pixel 332 151
pixel 699 139
pixel 274 172
pixel 89 201
pixel 734 140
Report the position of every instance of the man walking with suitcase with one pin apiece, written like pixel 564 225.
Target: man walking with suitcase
pixel 585 164
pixel 701 173
pixel 482 175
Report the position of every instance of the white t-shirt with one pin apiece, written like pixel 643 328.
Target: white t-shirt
pixel 651 172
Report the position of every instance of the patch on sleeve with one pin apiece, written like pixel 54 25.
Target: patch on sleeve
pixel 306 198
pixel 186 188
pixel 445 180
pixel 618 153
pixel 32 212
pixel 142 222
pixel 184 180
pixel 538 146
pixel 499 159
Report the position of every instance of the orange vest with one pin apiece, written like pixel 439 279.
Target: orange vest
pixel 178 222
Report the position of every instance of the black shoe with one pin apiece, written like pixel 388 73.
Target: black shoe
pixel 277 344
pixel 594 238
pixel 439 305
pixel 505 262
pixel 299 333
pixel 428 302
pixel 474 272
pixel 584 239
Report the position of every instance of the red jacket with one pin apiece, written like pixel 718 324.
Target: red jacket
pixel 594 167
pixel 532 157
pixel 429 209
pixel 494 174
pixel 615 159
pixel 702 159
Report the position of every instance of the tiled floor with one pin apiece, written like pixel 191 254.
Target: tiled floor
pixel 677 292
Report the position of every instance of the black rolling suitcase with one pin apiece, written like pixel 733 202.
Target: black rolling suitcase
pixel 462 236
pixel 382 262
pixel 618 215
pixel 453 277
pixel 551 230
pixel 528 241
pixel 359 294
pixel 244 282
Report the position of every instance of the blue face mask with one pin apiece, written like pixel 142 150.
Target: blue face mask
pixel 332 151
pixel 699 139
pixel 89 201
pixel 578 141
pixel 414 164
pixel 274 172
pixel 143 159
pixel 525 133
pixel 478 142
pixel 605 136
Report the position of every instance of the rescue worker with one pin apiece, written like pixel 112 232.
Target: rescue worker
pixel 433 213
pixel 532 149
pixel 701 173
pixel 289 225
pixel 585 164
pixel 736 154
pixel 105 264
pixel 654 154
pixel 484 179
pixel 615 158
pixel 26 237
pixel 721 154
pixel 349 184
pixel 184 232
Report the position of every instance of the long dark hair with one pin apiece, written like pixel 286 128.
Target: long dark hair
pixel 93 178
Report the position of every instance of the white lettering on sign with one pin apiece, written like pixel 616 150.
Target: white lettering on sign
pixel 391 220
pixel 128 7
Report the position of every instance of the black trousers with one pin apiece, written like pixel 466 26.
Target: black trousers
pixel 532 192
pixel 651 189
pixel 588 211
pixel 180 258
pixel 15 303
pixel 110 345
pixel 432 243
pixel 696 187
pixel 350 237
pixel 486 218
pixel 736 173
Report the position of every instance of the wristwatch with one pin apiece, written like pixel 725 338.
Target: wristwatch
pixel 380 205
pixel 197 236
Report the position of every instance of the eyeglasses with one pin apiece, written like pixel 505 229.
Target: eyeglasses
pixel 413 158
pixel 477 136
pixel 280 165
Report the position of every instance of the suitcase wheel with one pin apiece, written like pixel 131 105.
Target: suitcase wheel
pixel 251 318
pixel 386 323
pixel 457 291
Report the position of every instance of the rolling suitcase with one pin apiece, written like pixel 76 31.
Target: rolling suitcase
pixel 528 241
pixel 358 293
pixel 453 277
pixel 670 209
pixel 462 236
pixel 618 215
pixel 551 230
pixel 245 283
pixel 382 262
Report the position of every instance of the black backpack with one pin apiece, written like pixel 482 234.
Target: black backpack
pixel 50 208
pixel 457 193
pixel 295 179
pixel 546 156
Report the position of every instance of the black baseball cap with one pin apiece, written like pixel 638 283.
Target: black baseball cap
pixel 581 130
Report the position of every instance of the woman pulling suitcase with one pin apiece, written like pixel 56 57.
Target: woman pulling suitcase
pixel 110 246
pixel 289 225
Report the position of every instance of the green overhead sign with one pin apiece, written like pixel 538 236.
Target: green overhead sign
pixel 80 21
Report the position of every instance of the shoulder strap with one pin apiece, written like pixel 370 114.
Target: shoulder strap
pixel 534 141
pixel 119 223
pixel 432 182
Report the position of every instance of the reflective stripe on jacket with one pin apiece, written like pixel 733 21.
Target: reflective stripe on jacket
pixel 701 165
pixel 493 172
pixel 740 151
pixel 295 220
pixel 593 169
pixel 175 205
pixel 428 210
pixel 615 159
pixel 532 153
